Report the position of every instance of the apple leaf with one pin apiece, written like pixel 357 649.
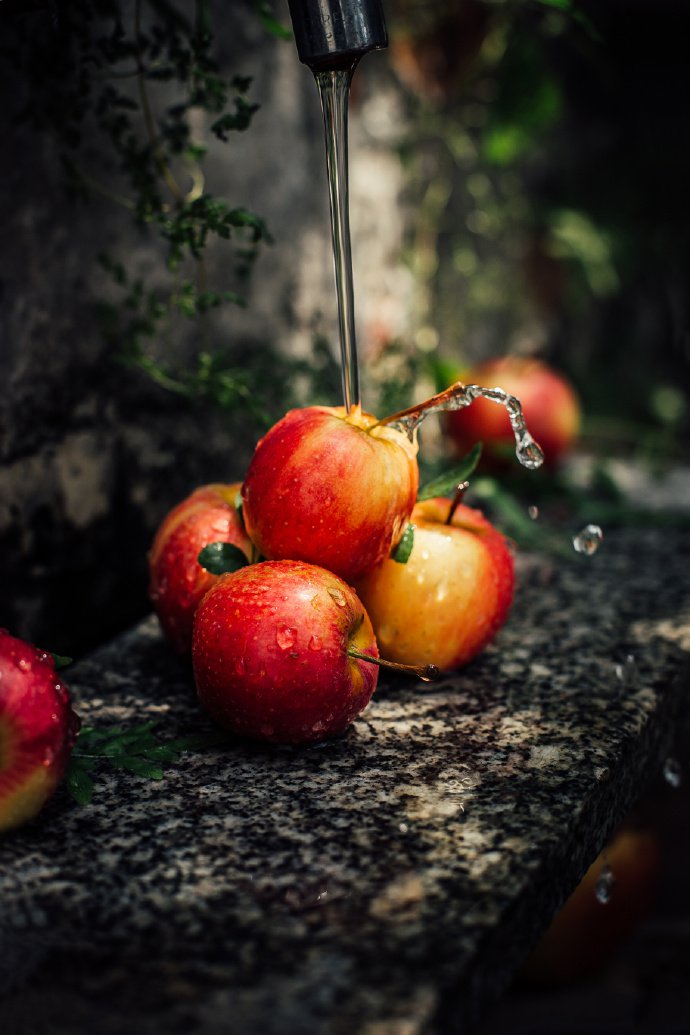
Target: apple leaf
pixel 136 750
pixel 60 660
pixel 402 552
pixel 78 782
pixel 446 484
pixel 219 558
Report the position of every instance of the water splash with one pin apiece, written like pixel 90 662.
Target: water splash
pixel 673 774
pixel 604 886
pixel 588 540
pixel 460 395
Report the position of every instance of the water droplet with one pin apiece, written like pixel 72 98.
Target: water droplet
pixel 338 596
pixel 403 828
pixel 604 885
pixel 285 637
pixel 588 540
pixel 315 643
pixel 49 757
pixel 240 666
pixel 24 665
pixel 626 671
pixel 673 774
pixel 527 451
pixel 533 512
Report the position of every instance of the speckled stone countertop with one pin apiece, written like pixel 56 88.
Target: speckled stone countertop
pixel 388 883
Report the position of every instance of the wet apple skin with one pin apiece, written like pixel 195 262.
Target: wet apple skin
pixel 330 488
pixel 270 653
pixel 37 730
pixel 177 582
pixel 451 597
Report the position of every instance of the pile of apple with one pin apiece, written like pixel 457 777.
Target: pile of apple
pixel 285 588
pixel 285 648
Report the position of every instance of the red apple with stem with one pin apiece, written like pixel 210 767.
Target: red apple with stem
pixel 330 487
pixel 177 582
pixel 281 652
pixel 450 598
pixel 549 403
pixel 37 730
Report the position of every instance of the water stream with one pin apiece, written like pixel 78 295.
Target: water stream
pixel 334 92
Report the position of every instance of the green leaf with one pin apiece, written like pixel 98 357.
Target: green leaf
pixel 219 558
pixel 161 753
pixel 139 766
pixel 270 22
pixel 198 741
pixel 446 484
pixel 60 660
pixel 402 552
pixel 78 782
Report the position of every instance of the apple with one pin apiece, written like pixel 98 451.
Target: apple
pixel 549 403
pixel 451 597
pixel 37 730
pixel 271 652
pixel 586 932
pixel 331 487
pixel 177 582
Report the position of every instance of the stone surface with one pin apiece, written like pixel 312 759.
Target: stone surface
pixel 387 882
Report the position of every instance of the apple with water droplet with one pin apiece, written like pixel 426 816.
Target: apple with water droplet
pixel 331 487
pixel 270 653
pixel 37 730
pixel 177 582
pixel 549 403
pixel 447 602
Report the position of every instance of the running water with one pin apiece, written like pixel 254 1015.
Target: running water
pixel 458 396
pixel 334 92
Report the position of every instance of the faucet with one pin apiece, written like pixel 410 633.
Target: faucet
pixel 334 34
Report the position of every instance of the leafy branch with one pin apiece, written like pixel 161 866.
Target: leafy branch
pixel 136 750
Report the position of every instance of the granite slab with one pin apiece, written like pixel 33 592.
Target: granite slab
pixel 385 883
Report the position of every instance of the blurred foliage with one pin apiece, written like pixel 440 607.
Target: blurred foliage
pixel 545 176
pixel 546 186
pixel 129 91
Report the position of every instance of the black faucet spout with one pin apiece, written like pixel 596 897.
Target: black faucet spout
pixel 333 34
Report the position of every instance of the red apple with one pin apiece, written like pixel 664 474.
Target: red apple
pixel 586 932
pixel 451 597
pixel 177 582
pixel 332 488
pixel 270 652
pixel 549 403
pixel 37 730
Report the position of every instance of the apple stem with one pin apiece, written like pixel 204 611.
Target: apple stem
pixel 457 500
pixel 419 410
pixel 427 673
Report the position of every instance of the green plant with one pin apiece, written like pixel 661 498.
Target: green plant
pixel 120 88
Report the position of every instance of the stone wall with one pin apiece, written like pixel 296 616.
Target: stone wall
pixel 92 453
